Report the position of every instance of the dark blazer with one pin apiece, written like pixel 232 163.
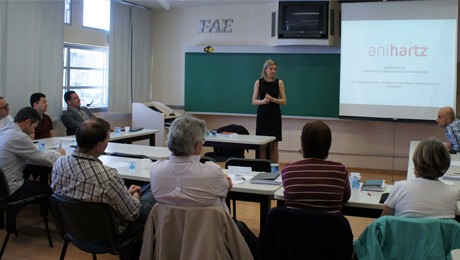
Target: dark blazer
pixel 72 119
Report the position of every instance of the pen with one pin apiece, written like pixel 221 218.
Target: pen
pixel 367 193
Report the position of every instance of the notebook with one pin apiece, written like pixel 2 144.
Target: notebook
pixel 373 185
pixel 133 129
pixel 273 178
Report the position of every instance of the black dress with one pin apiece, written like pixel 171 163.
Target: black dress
pixel 269 115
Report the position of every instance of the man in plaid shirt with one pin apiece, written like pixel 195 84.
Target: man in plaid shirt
pixel 446 119
pixel 83 176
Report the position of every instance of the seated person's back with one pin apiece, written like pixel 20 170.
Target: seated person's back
pixel 315 183
pixel 425 196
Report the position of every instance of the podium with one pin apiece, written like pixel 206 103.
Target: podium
pixel 153 115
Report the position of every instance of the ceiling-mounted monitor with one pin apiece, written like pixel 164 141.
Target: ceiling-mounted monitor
pixel 303 20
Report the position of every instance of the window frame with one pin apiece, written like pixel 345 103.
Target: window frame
pixel 68 12
pixel 67 72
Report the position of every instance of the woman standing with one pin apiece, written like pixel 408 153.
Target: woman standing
pixel 269 94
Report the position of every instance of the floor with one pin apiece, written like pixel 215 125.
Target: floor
pixel 33 244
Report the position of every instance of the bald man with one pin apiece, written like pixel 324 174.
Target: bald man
pixel 446 119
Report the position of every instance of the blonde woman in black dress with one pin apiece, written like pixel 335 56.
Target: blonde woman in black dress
pixel 268 95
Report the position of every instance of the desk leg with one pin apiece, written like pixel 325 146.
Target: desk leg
pixel 258 152
pixel 152 140
pixel 268 151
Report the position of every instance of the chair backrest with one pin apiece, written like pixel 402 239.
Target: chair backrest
pixel 257 165
pixel 391 237
pixel 204 159
pixel 300 234
pixel 231 152
pixel 90 226
pixel 4 188
pixel 175 232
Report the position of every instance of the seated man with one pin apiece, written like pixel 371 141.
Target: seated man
pixel 45 125
pixel 184 181
pixel 315 183
pixel 83 176
pixel 5 118
pixel 446 119
pixel 75 114
pixel 17 149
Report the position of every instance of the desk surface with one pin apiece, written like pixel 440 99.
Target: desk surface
pixel 142 173
pixel 123 135
pixel 242 139
pixel 153 152
pixel 358 199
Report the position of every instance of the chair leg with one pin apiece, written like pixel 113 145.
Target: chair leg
pixel 94 256
pixel 64 249
pixel 4 244
pixel 45 220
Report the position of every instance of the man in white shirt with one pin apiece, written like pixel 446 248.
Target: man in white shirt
pixel 183 180
pixel 17 149
pixel 5 118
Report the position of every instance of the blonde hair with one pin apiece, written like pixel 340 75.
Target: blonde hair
pixel 431 159
pixel 267 64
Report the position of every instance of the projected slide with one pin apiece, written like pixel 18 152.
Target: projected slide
pixel 397 69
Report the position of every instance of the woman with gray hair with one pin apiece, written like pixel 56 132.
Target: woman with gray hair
pixel 183 180
pixel 425 196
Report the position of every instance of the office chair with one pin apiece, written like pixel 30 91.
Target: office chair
pixel 89 226
pixel 257 165
pixel 391 237
pixel 193 233
pixel 204 159
pixel 12 209
pixel 301 234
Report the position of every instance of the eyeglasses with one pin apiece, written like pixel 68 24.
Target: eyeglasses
pixel 6 106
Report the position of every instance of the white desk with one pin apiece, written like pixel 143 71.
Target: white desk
pixel 260 193
pixel 130 137
pixel 253 142
pixel 360 204
pixel 153 152
pixel 121 164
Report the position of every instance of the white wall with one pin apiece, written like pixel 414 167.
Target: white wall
pixel 364 144
pixel 178 28
pixel 76 33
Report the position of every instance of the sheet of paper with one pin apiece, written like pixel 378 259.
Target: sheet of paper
pixel 239 169
pixel 237 178
pixel 118 165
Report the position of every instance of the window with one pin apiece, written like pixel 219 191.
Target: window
pixel 86 72
pixel 96 14
pixel 68 11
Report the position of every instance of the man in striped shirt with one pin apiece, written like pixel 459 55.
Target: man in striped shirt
pixel 315 183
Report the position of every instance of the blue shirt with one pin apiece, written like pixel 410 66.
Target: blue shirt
pixel 453 134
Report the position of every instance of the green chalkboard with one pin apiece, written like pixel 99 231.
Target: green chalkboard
pixel 224 82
